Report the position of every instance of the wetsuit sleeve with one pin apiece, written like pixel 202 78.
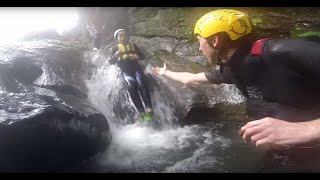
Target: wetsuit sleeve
pixel 113 59
pixel 139 53
pixel 218 76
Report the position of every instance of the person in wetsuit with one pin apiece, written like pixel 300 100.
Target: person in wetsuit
pixel 126 55
pixel 95 26
pixel 279 77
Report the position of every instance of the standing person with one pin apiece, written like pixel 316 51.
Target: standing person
pixel 283 74
pixel 126 55
pixel 95 27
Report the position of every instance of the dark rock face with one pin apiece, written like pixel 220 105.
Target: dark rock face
pixel 46 123
pixel 26 70
pixel 196 104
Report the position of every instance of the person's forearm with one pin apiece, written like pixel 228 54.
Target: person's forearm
pixel 141 56
pixel 183 77
pixel 113 59
pixel 312 130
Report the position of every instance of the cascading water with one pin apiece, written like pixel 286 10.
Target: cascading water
pixel 135 147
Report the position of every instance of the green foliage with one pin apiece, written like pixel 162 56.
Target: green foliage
pixel 297 33
pixel 255 20
pixel 310 33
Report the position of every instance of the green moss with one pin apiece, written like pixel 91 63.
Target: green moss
pixel 235 112
pixel 255 20
pixel 310 33
pixel 302 33
pixel 196 68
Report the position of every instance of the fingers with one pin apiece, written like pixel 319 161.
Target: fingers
pixel 266 143
pixel 135 56
pixel 248 125
pixel 249 132
pixel 263 143
pixel 259 136
pixel 155 69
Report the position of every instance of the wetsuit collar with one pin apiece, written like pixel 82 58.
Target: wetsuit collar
pixel 238 54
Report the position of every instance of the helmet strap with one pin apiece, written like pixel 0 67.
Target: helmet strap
pixel 219 52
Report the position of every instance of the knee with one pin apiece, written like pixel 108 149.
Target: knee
pixel 141 86
pixel 132 85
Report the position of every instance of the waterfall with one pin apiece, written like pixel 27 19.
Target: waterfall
pixel 137 147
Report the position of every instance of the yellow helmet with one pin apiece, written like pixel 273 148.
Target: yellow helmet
pixel 233 22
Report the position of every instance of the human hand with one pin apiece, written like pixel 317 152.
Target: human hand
pixel 274 133
pixel 160 71
pixel 134 57
pixel 118 54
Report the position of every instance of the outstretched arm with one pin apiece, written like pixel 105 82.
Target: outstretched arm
pixel 183 77
pixel 276 134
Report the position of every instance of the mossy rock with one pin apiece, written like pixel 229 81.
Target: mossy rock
pixel 304 33
pixel 143 14
pixel 220 112
pixel 170 22
pixel 234 112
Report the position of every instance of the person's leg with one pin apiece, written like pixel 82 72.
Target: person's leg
pixel 133 91
pixel 144 90
pixel 97 40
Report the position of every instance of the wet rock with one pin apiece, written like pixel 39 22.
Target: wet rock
pixel 46 123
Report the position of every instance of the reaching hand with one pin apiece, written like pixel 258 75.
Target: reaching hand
pixel 160 71
pixel 118 53
pixel 275 133
pixel 134 57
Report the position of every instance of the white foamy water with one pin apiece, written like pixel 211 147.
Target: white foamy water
pixel 137 147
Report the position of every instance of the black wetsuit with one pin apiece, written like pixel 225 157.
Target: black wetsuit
pixel 134 77
pixel 283 82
